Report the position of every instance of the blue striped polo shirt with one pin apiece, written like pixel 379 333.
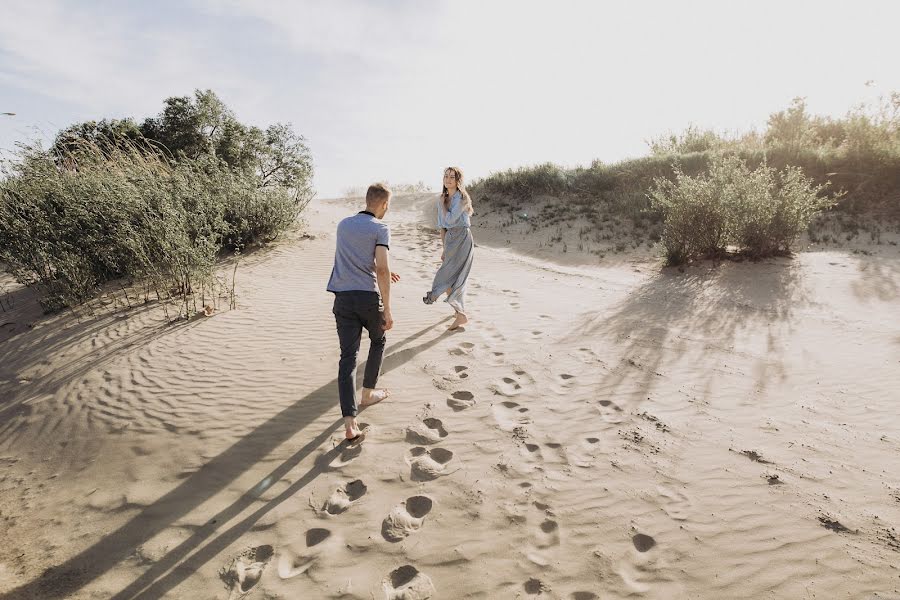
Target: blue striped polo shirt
pixel 354 254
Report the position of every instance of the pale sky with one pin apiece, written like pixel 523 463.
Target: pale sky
pixel 398 90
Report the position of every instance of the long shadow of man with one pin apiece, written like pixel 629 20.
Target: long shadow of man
pixel 213 477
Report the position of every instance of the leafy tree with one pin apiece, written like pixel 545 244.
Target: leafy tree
pixel 285 160
pixel 191 127
pixel 105 135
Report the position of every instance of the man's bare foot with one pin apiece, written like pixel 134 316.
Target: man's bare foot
pixel 458 322
pixel 355 439
pixel 370 397
pixel 352 431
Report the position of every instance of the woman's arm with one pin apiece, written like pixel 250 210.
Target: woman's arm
pixel 453 216
pixel 443 235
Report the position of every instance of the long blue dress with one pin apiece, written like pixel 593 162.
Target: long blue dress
pixel 459 251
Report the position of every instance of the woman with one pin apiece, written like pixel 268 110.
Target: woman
pixel 454 210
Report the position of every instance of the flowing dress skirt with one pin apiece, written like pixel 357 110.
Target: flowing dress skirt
pixel 459 250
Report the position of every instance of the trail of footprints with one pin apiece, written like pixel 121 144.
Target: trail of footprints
pixel 427 461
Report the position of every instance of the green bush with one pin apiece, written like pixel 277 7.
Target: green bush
pixel 695 219
pixel 760 211
pixel 526 182
pixel 858 153
pixel 772 208
pixel 70 223
pixel 154 203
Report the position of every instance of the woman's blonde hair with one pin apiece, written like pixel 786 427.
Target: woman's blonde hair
pixel 445 195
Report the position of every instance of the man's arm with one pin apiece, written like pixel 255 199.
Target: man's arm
pixel 383 276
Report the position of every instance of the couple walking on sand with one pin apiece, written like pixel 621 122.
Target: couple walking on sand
pixel 361 283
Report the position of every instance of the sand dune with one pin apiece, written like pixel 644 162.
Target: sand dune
pixel 597 431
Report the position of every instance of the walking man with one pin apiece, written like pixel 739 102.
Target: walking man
pixel 361 282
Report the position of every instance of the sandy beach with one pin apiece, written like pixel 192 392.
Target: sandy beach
pixel 607 430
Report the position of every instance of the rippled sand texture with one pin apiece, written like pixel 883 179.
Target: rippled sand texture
pixel 595 432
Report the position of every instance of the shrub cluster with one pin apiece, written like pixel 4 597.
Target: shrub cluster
pixel 785 166
pixel 154 204
pixel 70 223
pixel 758 211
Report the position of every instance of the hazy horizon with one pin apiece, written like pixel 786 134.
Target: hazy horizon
pixel 397 91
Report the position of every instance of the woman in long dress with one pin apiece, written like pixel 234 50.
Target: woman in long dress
pixel 454 210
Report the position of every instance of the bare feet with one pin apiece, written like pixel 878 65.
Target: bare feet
pixel 352 432
pixel 458 322
pixel 356 439
pixel 370 397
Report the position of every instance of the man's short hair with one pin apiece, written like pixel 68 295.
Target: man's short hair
pixel 377 192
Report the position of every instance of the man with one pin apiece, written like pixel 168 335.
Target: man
pixel 361 283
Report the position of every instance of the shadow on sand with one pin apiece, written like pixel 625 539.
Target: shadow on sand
pixel 64 580
pixel 695 315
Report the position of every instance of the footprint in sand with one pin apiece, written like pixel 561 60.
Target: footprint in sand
pixel 491 335
pixel 513 385
pixel 643 542
pixel 565 379
pixel 586 355
pixel 408 583
pixel 426 465
pixel 675 502
pixel 346 455
pixel 584 596
pixel 406 518
pixel 429 431
pixel 585 453
pixel 510 415
pixel 535 587
pixel 316 536
pixel 610 411
pixel 461 400
pixel 344 497
pixel 558 453
pixel 460 370
pixel 342 453
pixel 548 535
pixel 497 359
pixel 463 349
pixel 290 564
pixel 245 570
pixel 532 455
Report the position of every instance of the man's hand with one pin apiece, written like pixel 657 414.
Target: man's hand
pixel 388 320
pixel 394 277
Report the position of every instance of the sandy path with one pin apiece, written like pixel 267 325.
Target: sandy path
pixel 595 433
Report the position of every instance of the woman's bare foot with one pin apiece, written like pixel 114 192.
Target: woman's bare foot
pixel 459 321
pixel 373 396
